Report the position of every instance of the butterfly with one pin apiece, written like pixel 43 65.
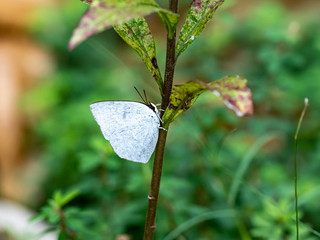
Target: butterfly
pixel 131 127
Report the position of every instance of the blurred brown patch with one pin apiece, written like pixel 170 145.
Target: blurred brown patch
pixel 21 63
pixel 123 237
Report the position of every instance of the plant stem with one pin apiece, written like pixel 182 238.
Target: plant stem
pixel 154 188
pixel 158 158
pixel 295 165
pixel 170 62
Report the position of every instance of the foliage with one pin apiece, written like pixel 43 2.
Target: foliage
pixel 103 14
pixel 232 90
pixel 70 222
pixel 278 50
pixel 137 34
pixel 199 14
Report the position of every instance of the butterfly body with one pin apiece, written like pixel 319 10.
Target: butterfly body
pixel 131 127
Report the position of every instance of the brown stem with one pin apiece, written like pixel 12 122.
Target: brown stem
pixel 158 158
pixel 170 62
pixel 154 188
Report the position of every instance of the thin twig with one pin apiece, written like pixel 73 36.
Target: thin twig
pixel 306 101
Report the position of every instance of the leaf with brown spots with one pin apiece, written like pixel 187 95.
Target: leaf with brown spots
pixel 200 12
pixel 232 90
pixel 104 14
pixel 235 94
pixel 137 34
pixel 182 98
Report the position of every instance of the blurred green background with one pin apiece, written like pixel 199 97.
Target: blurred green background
pixel 224 177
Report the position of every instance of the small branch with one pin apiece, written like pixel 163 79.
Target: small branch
pixel 158 158
pixel 63 227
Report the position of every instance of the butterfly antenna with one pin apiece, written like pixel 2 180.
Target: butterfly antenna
pixel 140 95
pixel 145 95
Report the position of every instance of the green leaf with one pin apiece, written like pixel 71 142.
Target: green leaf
pixel 59 199
pixel 200 12
pixel 169 20
pixel 182 98
pixel 235 94
pixel 137 34
pixel 104 14
pixel 67 197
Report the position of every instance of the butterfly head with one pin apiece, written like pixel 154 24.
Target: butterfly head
pixel 153 107
pixel 148 103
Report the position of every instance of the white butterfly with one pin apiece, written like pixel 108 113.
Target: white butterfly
pixel 131 127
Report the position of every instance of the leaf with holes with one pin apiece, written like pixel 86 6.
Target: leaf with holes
pixel 235 94
pixel 200 12
pixel 181 99
pixel 137 34
pixel 104 14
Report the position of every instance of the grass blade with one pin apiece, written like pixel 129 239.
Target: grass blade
pixel 306 101
pixel 244 165
pixel 198 219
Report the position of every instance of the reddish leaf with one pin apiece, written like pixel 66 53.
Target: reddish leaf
pixel 235 94
pixel 104 14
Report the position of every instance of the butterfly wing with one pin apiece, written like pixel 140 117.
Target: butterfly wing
pixel 131 127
